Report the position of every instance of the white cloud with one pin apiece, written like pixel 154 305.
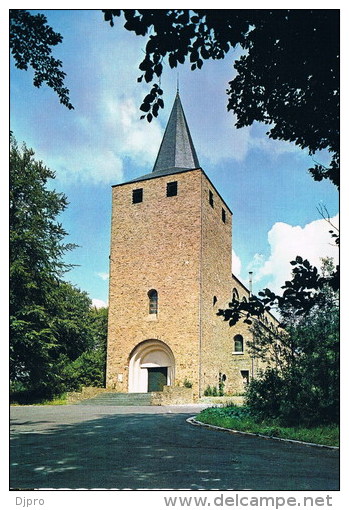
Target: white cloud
pixel 286 241
pixel 98 303
pixel 98 142
pixel 256 263
pixel 132 137
pixel 236 265
pixel 271 146
pixel 216 137
pixel 93 142
pixel 219 139
pixel 104 276
pixel 80 164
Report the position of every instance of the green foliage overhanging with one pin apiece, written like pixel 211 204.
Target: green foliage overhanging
pixel 300 385
pixel 30 44
pixel 287 76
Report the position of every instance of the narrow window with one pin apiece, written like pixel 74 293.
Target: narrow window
pixel 245 374
pixel 211 198
pixel 171 189
pixel 214 301
pixel 238 343
pixel 153 301
pixel 223 215
pixel 137 196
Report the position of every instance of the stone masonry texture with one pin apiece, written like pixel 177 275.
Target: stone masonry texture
pixel 181 247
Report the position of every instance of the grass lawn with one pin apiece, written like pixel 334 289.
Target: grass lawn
pixel 239 418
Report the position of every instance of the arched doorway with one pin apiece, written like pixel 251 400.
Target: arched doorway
pixel 151 367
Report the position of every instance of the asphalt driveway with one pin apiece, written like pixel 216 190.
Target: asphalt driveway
pixel 154 448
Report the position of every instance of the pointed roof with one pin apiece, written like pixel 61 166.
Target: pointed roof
pixel 177 150
pixel 177 153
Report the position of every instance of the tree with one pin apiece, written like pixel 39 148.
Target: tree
pixel 301 382
pixel 307 289
pixel 288 76
pixel 57 339
pixel 30 44
pixel 71 320
pixel 303 388
pixel 89 368
pixel 36 268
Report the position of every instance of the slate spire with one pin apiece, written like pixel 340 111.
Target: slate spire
pixel 177 150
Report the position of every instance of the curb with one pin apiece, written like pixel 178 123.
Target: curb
pixel 192 421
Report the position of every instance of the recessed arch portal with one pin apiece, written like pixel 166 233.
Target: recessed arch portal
pixel 149 360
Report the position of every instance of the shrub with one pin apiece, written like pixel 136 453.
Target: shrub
pixel 290 398
pixel 208 391
pixel 87 370
pixel 187 384
pixel 211 391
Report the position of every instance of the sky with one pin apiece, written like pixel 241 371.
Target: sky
pixel 103 142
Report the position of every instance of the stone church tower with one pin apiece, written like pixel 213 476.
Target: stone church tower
pixel 170 272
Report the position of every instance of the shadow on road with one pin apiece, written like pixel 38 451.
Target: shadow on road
pixel 159 451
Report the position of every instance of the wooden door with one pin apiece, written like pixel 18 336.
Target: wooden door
pixel 157 378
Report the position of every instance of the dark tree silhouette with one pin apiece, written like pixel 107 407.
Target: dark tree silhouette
pixel 287 78
pixel 307 289
pixel 30 44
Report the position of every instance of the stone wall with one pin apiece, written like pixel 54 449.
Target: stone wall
pixel 172 395
pixel 221 401
pixel 86 392
pixel 155 244
pixel 216 285
pixel 180 246
pixel 218 356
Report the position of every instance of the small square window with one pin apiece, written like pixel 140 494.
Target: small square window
pixel 171 190
pixel 211 198
pixel 137 196
pixel 223 215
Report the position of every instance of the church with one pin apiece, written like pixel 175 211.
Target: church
pixel 170 272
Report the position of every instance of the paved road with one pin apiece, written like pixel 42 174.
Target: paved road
pixel 154 448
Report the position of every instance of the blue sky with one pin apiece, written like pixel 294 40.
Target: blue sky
pixel 103 142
